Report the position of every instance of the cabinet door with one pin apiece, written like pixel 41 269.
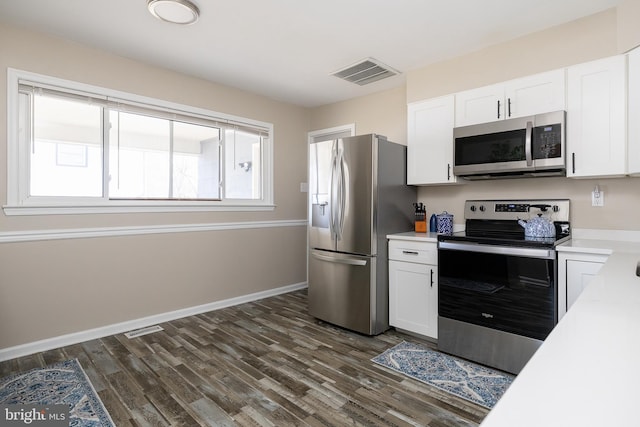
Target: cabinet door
pixel 579 274
pixel 596 118
pixel 413 297
pixel 633 113
pixel 536 94
pixel 481 105
pixel 430 141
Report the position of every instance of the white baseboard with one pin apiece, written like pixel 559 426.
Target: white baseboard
pixel 118 328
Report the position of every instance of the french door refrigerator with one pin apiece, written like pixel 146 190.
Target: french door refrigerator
pixel 357 195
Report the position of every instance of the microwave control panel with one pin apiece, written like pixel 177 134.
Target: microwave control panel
pixel 547 141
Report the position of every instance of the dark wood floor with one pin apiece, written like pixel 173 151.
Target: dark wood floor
pixel 265 363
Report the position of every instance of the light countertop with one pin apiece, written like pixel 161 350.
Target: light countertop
pixel 598 246
pixel 416 237
pixel 586 373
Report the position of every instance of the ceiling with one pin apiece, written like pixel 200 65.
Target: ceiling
pixel 288 49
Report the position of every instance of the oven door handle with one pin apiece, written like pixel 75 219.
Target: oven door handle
pixel 499 250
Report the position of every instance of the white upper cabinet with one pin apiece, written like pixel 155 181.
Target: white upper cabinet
pixel 596 118
pixel 430 141
pixel 538 93
pixel 633 112
pixel 480 105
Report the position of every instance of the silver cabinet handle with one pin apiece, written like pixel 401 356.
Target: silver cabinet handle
pixel 410 252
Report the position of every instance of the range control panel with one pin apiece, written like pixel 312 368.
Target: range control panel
pixel 512 207
pixel 554 209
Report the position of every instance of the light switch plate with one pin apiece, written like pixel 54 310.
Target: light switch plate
pixel 597 198
pixel 304 187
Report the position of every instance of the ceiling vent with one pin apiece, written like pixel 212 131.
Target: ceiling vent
pixel 366 71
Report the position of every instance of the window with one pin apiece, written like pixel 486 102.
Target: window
pixel 75 147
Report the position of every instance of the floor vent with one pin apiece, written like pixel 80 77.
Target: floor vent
pixel 366 71
pixel 143 331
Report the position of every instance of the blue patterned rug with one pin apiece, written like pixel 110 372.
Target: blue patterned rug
pixel 61 383
pixel 467 380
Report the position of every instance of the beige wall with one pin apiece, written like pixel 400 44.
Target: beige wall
pixel 382 113
pixel 587 39
pixel 628 13
pixel 59 287
pixel 51 288
pixel 579 41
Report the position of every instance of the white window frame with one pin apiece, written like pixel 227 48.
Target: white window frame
pixel 18 202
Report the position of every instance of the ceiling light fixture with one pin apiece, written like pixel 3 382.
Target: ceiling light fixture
pixel 175 11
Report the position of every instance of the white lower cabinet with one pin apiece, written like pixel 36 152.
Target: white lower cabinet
pixel 413 287
pixel 575 271
pixel 579 274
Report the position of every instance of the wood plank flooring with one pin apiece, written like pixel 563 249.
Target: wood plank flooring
pixel 265 363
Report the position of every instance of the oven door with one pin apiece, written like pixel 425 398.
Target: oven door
pixel 510 289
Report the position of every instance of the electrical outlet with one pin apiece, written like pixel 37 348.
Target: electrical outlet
pixel 597 198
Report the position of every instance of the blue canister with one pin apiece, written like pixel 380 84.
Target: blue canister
pixel 445 223
pixel 433 223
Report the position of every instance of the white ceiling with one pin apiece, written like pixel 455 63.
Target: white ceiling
pixel 287 49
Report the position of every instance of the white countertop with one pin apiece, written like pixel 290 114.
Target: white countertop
pixel 587 371
pixel 410 235
pixel 598 246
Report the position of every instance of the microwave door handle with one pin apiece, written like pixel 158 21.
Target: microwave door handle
pixel 527 143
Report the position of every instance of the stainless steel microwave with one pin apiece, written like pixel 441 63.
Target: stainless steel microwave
pixel 524 146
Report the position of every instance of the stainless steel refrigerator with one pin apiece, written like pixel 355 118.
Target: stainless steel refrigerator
pixel 357 195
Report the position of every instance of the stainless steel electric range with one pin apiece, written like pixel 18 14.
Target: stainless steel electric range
pixel 498 289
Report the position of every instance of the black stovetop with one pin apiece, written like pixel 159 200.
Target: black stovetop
pixel 505 233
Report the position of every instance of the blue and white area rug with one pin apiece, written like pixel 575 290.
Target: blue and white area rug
pixel 61 383
pixel 467 380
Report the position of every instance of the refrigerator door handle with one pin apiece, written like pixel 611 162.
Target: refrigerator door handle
pixel 349 261
pixel 332 194
pixel 342 195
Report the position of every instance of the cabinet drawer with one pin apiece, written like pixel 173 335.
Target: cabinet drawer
pixel 418 252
